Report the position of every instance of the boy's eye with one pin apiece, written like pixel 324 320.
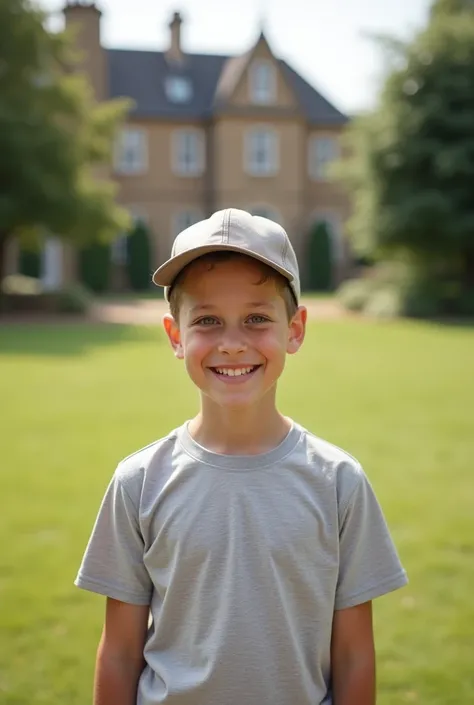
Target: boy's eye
pixel 256 318
pixel 206 321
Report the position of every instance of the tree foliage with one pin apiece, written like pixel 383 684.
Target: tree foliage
pixel 411 163
pixel 52 136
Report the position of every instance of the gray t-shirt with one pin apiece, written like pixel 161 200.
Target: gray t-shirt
pixel 243 560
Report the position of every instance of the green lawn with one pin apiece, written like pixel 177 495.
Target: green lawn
pixel 75 399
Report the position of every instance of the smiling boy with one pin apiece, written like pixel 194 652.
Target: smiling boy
pixel 256 547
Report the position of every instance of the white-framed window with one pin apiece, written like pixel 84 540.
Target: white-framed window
pixel 262 82
pixel 261 151
pixel 179 89
pixel 266 212
pixel 322 152
pixel 188 152
pixel 131 151
pixel 184 218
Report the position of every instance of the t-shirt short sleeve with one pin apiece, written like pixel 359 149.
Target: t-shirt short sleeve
pixel 113 561
pixel 369 565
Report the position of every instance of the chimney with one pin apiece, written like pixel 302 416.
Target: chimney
pixel 175 52
pixel 84 17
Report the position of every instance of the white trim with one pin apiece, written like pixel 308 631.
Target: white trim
pixel 52 264
pixel 262 92
pixel 187 160
pixel 251 165
pixel 131 159
pixel 184 218
pixel 323 150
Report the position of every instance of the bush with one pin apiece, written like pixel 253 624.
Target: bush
pixel 138 257
pixel 25 295
pixel 74 299
pixel 384 303
pixel 21 285
pixel 466 302
pixel 94 267
pixel 354 294
pixel 319 266
pixel 423 298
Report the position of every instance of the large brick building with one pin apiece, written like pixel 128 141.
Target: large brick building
pixel 207 132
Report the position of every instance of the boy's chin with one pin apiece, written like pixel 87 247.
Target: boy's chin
pixel 233 401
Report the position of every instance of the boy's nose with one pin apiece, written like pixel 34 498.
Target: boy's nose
pixel 231 344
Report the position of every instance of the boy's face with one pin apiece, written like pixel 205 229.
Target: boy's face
pixel 233 332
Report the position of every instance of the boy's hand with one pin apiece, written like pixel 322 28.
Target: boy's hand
pixel 353 656
pixel 120 654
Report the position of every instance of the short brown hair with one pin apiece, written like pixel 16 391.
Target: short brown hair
pixel 214 258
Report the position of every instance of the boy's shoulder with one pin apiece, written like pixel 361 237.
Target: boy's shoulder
pixel 133 468
pixel 339 467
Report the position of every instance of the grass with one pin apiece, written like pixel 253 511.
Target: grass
pixel 76 399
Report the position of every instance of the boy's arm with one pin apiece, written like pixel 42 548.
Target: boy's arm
pixel 353 656
pixel 120 659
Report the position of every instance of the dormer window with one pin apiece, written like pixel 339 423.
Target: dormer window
pixel 262 82
pixel 178 89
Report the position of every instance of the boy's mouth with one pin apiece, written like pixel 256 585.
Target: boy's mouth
pixel 237 373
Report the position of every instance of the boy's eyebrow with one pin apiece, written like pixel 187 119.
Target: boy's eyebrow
pixel 251 304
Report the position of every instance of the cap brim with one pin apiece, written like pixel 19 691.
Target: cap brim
pixel 167 273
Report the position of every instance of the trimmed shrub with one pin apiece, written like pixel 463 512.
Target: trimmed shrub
pixel 319 266
pixel 29 262
pixel 138 257
pixel 94 267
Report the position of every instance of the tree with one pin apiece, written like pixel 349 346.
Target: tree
pixel 52 137
pixel 138 257
pixel 411 163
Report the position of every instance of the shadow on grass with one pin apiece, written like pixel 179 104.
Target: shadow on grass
pixel 72 339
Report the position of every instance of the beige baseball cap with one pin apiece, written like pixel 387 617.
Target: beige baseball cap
pixel 236 231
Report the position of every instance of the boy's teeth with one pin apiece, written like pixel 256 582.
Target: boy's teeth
pixel 234 372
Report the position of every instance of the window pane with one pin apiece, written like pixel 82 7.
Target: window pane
pixel 323 151
pixel 131 151
pixel 262 82
pixel 188 156
pixel 262 152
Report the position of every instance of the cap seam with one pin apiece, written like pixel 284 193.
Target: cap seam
pixel 284 251
pixel 225 226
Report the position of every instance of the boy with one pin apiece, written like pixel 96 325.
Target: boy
pixel 255 547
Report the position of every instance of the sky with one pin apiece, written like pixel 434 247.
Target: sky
pixel 326 41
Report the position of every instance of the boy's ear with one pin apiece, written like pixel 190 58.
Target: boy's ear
pixel 296 330
pixel 174 335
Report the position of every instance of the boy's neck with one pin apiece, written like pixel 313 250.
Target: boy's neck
pixel 235 432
